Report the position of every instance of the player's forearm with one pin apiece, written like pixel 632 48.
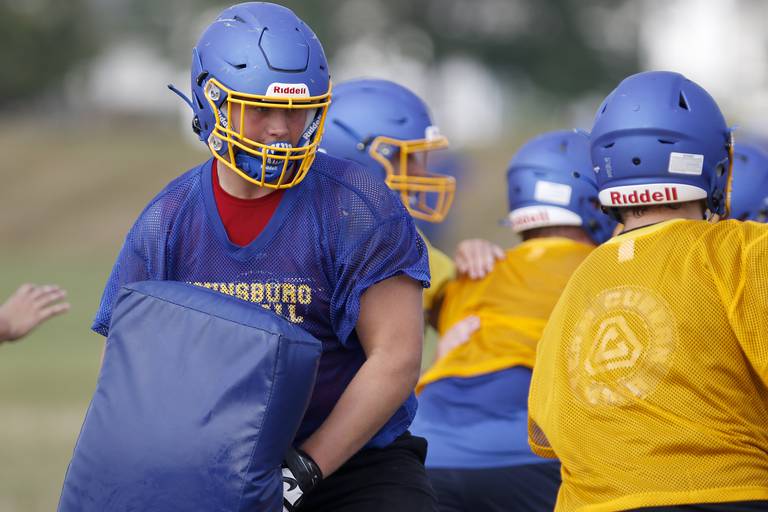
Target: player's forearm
pixel 372 397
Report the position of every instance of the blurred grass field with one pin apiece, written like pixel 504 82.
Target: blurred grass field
pixel 69 193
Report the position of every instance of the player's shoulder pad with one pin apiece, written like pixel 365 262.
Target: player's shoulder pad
pixel 352 205
pixel 732 232
pixel 165 206
pixel 353 190
pixel 749 234
pixel 724 244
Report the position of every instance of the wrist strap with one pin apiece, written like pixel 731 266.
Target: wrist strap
pixel 305 470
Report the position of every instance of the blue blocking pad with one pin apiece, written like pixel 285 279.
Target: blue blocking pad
pixel 199 397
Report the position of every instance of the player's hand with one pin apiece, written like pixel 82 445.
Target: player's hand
pixel 476 257
pixel 300 475
pixel 457 335
pixel 28 307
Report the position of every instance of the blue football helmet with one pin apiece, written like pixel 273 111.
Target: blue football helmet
pixel 749 194
pixel 387 129
pixel 550 182
pixel 261 56
pixel 659 138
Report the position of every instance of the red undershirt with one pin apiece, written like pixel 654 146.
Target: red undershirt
pixel 244 219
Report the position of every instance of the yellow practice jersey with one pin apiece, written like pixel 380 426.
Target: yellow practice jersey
pixel 651 377
pixel 513 303
pixel 441 270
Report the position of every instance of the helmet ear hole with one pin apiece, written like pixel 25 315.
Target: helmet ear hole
pixel 576 174
pixel 636 161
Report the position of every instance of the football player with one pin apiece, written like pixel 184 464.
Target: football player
pixel 313 238
pixel 473 400
pixel 388 129
pixel 651 377
pixel 749 194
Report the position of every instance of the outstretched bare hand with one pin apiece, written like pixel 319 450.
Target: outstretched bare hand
pixel 28 307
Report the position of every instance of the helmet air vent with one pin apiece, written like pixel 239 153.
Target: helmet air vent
pixel 682 102
pixel 720 170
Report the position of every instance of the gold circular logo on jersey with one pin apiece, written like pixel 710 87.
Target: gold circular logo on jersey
pixel 622 346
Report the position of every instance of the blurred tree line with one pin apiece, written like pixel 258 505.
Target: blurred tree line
pixel 41 41
pixel 561 47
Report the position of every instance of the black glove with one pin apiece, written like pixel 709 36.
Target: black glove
pixel 300 475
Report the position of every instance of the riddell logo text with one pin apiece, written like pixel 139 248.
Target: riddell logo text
pixel 533 218
pixel 669 194
pixel 289 89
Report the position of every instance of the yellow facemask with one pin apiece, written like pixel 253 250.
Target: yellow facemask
pixel 281 167
pixel 728 187
pixel 426 195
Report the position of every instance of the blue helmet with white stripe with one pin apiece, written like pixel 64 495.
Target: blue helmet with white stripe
pixel 660 138
pixel 749 193
pixel 550 182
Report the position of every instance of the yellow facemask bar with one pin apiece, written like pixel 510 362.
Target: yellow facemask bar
pixel 415 190
pixel 728 187
pixel 223 133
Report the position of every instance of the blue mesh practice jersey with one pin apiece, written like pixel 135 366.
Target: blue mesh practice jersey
pixel 333 236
